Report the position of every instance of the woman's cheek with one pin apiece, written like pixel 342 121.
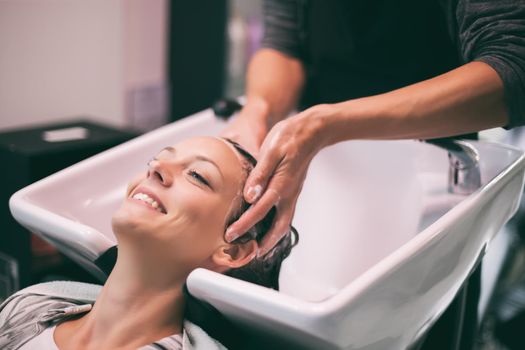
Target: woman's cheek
pixel 205 215
pixel 137 179
pixel 200 205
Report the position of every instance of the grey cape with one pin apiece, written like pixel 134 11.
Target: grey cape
pixel 28 312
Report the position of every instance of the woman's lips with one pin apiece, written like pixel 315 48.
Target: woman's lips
pixel 148 198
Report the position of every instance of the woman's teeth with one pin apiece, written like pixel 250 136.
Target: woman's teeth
pixel 145 198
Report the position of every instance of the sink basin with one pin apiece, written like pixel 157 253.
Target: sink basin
pixel 383 248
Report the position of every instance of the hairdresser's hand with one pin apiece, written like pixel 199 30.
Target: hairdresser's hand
pixel 250 126
pixel 278 177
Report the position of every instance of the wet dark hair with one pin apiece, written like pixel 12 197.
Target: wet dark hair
pixel 263 271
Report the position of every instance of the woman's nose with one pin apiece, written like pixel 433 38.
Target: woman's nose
pixel 159 172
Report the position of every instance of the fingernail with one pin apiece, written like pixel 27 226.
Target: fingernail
pixel 253 193
pixel 231 235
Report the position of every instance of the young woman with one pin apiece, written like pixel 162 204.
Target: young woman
pixel 172 221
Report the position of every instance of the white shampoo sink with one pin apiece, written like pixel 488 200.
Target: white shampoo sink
pixel 383 248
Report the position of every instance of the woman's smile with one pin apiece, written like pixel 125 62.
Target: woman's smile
pixel 146 197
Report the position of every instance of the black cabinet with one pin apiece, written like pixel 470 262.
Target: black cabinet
pixel 29 154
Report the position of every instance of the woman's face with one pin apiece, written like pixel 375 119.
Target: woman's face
pixel 177 210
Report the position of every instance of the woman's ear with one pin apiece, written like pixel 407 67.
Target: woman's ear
pixel 234 255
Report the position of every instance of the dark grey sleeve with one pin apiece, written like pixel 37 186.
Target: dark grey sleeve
pixel 282 26
pixel 493 32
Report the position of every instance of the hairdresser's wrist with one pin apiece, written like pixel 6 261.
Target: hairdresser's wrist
pixel 321 120
pixel 363 118
pixel 257 110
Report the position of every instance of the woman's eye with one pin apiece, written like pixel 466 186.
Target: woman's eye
pixel 199 177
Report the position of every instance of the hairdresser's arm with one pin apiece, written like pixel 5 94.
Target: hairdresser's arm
pixel 466 99
pixel 274 82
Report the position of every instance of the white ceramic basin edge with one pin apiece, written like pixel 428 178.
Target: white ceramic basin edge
pixel 383 250
pixel 315 320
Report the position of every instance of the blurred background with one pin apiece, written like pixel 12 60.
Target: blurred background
pixel 133 63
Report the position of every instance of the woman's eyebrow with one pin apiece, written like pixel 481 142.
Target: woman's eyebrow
pixel 206 159
pixel 197 157
pixel 168 148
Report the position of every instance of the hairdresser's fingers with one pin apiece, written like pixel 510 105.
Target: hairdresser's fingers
pixel 247 133
pixel 274 150
pixel 249 127
pixel 285 213
pixel 252 216
pixel 283 161
pixel 269 160
pixel 280 228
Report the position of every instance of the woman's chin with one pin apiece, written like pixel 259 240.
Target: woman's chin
pixel 129 220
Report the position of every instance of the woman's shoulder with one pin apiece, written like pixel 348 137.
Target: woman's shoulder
pixel 196 338
pixel 27 312
pixel 37 298
pixel 63 289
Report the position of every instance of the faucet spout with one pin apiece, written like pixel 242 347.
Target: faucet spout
pixel 464 176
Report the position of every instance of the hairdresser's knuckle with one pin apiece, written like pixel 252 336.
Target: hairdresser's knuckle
pixel 274 196
pixel 276 185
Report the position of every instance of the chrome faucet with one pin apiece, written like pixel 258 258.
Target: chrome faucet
pixel 464 176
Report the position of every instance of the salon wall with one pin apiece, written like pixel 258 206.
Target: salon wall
pixel 61 59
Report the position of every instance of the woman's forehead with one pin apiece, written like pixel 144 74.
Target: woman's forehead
pixel 216 149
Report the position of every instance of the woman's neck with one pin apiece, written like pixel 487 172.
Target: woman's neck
pixel 133 309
